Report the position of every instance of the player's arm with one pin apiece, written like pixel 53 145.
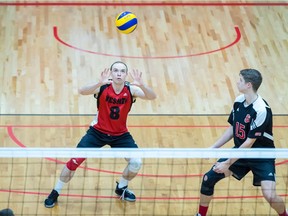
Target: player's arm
pixel 247 144
pixel 222 167
pixel 94 88
pixel 227 136
pixel 139 89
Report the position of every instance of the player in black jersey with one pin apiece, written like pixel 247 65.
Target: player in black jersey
pixel 250 127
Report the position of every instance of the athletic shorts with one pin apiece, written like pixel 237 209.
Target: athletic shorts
pixel 96 139
pixel 262 169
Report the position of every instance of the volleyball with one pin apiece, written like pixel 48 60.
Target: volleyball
pixel 126 22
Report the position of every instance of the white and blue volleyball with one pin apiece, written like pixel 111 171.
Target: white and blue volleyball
pixel 126 22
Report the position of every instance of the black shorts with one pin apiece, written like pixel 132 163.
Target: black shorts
pixel 96 139
pixel 262 169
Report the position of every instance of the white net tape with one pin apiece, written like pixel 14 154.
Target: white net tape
pixel 143 153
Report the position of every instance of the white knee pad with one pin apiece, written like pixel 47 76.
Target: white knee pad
pixel 134 165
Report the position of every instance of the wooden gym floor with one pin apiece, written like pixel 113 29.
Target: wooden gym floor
pixel 190 52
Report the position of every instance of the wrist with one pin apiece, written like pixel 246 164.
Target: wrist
pixel 228 161
pixel 141 85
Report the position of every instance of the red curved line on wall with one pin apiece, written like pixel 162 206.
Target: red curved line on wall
pixel 19 143
pixel 237 39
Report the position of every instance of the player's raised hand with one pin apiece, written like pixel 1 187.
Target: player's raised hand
pixel 104 78
pixel 137 77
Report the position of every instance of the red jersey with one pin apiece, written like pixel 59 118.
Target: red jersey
pixel 113 110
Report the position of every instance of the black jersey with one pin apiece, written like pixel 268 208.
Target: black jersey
pixel 253 121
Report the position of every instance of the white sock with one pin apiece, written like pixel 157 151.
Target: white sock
pixel 122 183
pixel 59 185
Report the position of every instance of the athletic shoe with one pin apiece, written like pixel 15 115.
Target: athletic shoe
pixel 198 214
pixel 51 199
pixel 125 194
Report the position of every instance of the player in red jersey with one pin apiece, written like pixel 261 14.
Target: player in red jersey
pixel 114 100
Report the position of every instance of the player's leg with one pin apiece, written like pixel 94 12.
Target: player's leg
pixel 66 175
pixel 209 181
pixel 89 140
pixel 207 190
pixel 264 176
pixel 130 171
pixel 132 168
pixel 275 201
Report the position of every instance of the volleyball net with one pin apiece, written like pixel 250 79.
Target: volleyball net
pixel 167 184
